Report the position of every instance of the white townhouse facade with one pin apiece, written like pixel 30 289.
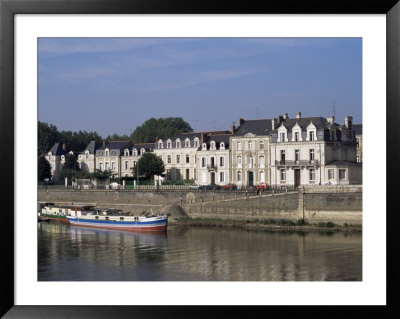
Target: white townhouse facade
pixel 87 158
pixel 313 150
pixel 249 147
pixel 213 160
pixel 131 155
pixel 56 158
pixel 359 140
pixel 108 156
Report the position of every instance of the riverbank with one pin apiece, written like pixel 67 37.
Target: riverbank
pixel 268 224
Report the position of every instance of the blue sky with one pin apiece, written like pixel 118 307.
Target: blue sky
pixel 112 85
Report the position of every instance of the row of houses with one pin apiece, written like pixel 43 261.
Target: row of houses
pixel 278 151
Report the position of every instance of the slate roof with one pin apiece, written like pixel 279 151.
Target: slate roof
pixel 57 149
pixel 191 136
pixel 319 123
pixel 116 145
pixel 147 146
pixel 218 138
pixel 257 127
pixel 91 147
pixel 342 163
pixel 357 129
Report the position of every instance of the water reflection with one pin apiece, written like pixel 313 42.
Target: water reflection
pixel 194 254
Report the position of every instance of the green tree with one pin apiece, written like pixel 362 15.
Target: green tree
pixel 102 175
pixel 161 128
pixel 44 169
pixel 70 167
pixel 47 136
pixel 149 165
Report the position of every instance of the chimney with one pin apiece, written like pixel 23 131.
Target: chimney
pixel 203 137
pixel 273 123
pixel 298 115
pixel 241 121
pixel 64 147
pixel 285 116
pixel 233 128
pixel 279 119
pixel 348 122
pixel 330 119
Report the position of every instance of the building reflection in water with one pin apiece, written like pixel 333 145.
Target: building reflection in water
pixel 194 254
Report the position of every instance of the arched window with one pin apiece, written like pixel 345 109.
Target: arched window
pixel 222 146
pixel 178 143
pixel 187 143
pixel 126 152
pixel 204 146
pixel 250 145
pixel 107 152
pixel 142 151
pixel 239 146
pixel 261 145
pixel 134 152
pixel 212 145
pixel 160 144
pixel 196 142
pixel 169 144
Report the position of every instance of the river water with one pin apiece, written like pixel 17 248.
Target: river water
pixel 71 253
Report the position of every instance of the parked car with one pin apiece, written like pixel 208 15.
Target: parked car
pixel 114 185
pixel 229 186
pixel 194 186
pixel 262 186
pixel 210 187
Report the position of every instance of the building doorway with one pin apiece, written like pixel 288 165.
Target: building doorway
pixel 212 178
pixel 296 178
pixel 251 179
pixel 187 173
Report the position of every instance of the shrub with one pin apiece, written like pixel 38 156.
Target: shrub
pixel 330 224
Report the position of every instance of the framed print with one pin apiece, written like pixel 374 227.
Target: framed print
pixel 48 41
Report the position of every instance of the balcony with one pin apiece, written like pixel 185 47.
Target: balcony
pixel 297 164
pixel 211 167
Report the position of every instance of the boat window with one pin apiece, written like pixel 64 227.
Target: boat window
pixel 107 218
pixel 121 218
pixel 97 217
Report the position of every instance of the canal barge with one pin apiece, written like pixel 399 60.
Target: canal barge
pixel 116 219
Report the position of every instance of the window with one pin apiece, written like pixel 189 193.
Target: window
pixel 221 177
pixel 296 136
pixel 142 151
pixel 213 145
pixel 169 159
pixel 187 143
pixel 160 144
pixel 250 161
pixel 113 165
pixel 262 177
pixel 195 174
pixel 283 156
pixel 101 166
pixel 239 161
pixel 282 137
pixel 358 142
pixel 107 153
pixel 342 174
pixel 135 152
pixel 222 146
pixel 187 158
pixel 212 162
pixel 134 163
pixel 178 159
pixel 204 146
pixel 283 175
pixel 261 145
pixel 221 161
pixel 312 174
pixel 178 174
pixel 87 155
pixel 203 162
pixel 178 143
pixel 261 161
pixel 107 165
pixel 358 158
pixel 331 173
pixel 169 174
pixel 250 145
pixel 311 136
pixel 297 155
pixel 239 146
pixel 239 176
pixel 126 164
pixel 126 152
pixel 196 143
pixel 311 155
pixel 169 145
pixel 121 218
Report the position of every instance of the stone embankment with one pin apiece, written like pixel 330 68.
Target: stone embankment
pixel 341 205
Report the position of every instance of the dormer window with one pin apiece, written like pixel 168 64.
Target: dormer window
pixel 107 152
pixel 126 152
pixel 222 146
pixel 212 145
pixel 169 144
pixel 160 144
pixel 311 133
pixel 282 137
pixel 134 152
pixel 87 154
pixel 178 143
pixel 187 143
pixel 204 147
pixel 142 151
pixel 311 136
pixel 196 142
pixel 62 157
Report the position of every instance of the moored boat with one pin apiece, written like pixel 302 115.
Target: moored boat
pixel 53 212
pixel 115 219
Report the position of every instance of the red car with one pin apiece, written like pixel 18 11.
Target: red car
pixel 262 186
pixel 228 186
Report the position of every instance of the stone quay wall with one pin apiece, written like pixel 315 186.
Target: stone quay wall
pixel 314 204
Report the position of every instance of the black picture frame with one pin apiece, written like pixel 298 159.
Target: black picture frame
pixel 8 8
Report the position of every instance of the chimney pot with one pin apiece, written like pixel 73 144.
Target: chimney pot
pixel 298 115
pixel 241 121
pixel 233 128
pixel 348 121
pixel 285 116
pixel 330 119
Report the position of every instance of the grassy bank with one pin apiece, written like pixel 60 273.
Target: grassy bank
pixel 268 224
